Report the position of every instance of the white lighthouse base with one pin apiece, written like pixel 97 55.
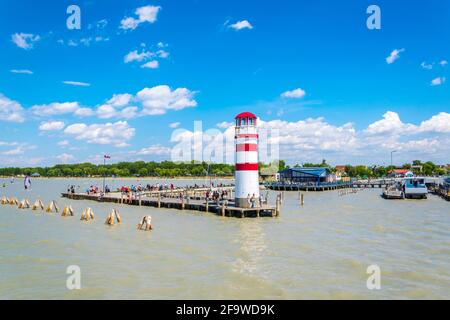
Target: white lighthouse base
pixel 246 183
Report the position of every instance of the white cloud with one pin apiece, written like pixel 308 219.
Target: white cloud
pixel 14 152
pixel 25 40
pixel 391 124
pixel 174 125
pixel 156 149
pixel 52 126
pixel 395 54
pixel 297 93
pixel 158 100
pixel 154 64
pixel 65 158
pixel 120 100
pixel 55 108
pixel 10 110
pixel 107 111
pixel 427 66
pixel 225 125
pixel 63 143
pixel 438 81
pixel 144 14
pixel 84 112
pixel 437 123
pixel 243 24
pixel 135 56
pixel 77 84
pixel 162 54
pixel 443 62
pixel 117 134
pixel 22 71
pixel 20 149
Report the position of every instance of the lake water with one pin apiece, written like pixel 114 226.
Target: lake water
pixel 318 251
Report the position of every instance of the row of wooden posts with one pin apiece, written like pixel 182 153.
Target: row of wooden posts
pixel 86 215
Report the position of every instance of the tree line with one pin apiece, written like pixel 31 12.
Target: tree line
pixel 186 169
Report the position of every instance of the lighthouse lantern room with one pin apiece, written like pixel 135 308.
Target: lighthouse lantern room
pixel 246 159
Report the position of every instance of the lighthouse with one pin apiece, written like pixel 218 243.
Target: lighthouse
pixel 246 159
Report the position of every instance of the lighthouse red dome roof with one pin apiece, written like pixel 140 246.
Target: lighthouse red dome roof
pixel 245 115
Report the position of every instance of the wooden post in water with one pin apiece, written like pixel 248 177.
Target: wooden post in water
pixel 140 200
pixel 302 199
pixel 223 209
pixel 207 203
pixel 182 201
pixel 277 207
pixel 159 200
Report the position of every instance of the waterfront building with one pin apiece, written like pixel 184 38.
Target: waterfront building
pixel 399 173
pixel 311 175
pixel 246 159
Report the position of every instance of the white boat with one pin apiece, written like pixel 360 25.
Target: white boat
pixel 414 188
pixel 393 192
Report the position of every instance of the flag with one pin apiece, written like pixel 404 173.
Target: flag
pixel 107 157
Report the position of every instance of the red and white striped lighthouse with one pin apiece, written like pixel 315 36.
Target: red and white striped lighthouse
pixel 246 175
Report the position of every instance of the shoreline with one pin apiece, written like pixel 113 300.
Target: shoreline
pixel 128 177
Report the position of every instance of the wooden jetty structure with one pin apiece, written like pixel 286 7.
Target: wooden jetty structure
pixel 188 199
pixel 281 186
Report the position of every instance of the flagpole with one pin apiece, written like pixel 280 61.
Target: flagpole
pixel 104 164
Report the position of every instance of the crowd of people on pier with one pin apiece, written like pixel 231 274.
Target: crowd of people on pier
pixel 213 193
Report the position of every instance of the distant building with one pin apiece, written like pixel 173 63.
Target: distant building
pixel 399 173
pixel 307 175
pixel 417 167
pixel 341 168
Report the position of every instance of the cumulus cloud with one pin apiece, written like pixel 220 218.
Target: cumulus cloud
pixel 156 149
pixel 117 134
pixel 77 83
pixel 25 40
pixel 154 64
pixel 174 125
pixel 438 81
pixel 137 56
pixel 390 123
pixel 84 112
pixel 395 54
pixel 52 126
pixel 65 158
pixel 443 62
pixel 296 94
pixel 120 100
pixel 144 14
pixel 21 71
pixel 55 108
pixel 10 110
pixel 437 123
pixel 313 139
pixel 158 100
pixel 243 24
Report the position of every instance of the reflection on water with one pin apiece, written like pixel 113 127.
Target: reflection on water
pixel 319 250
pixel 252 246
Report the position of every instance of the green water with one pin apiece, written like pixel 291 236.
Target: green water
pixel 320 250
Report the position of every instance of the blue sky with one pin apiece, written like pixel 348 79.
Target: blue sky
pixel 312 70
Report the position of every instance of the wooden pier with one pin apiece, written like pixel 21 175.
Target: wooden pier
pixel 329 186
pixel 189 200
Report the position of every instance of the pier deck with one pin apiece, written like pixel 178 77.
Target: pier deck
pixel 192 202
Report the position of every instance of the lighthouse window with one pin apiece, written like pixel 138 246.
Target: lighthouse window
pixel 250 121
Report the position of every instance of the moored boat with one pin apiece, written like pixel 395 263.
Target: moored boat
pixel 414 188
